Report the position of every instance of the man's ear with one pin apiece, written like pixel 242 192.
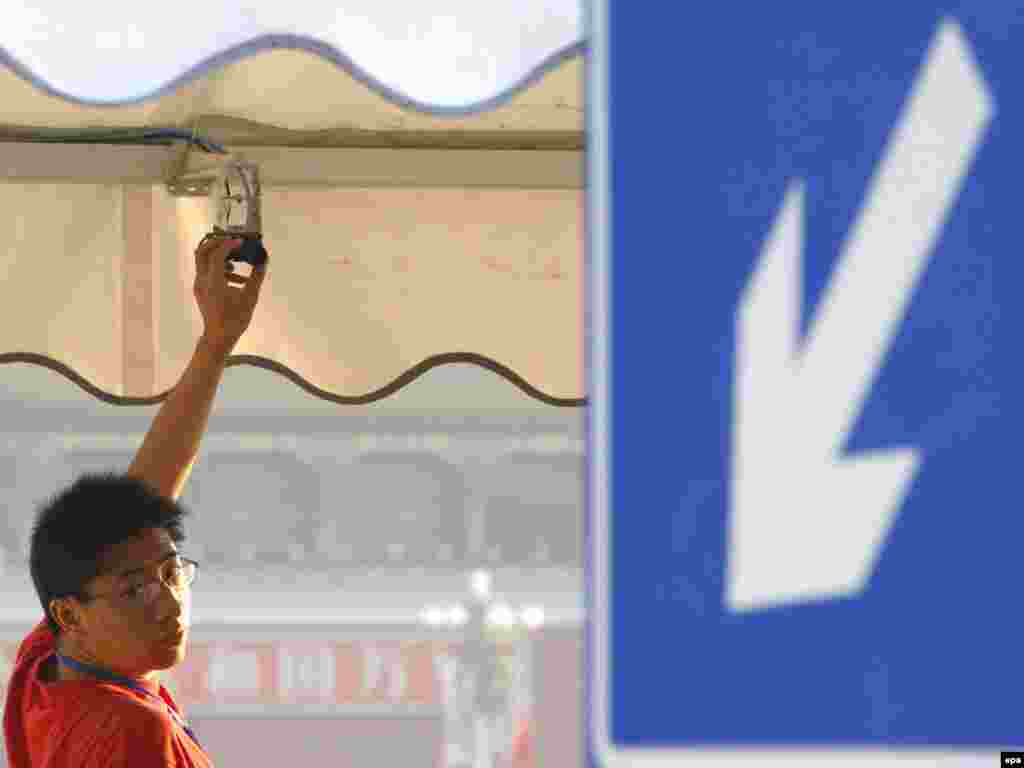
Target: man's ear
pixel 65 612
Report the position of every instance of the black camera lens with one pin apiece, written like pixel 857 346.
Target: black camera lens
pixel 251 251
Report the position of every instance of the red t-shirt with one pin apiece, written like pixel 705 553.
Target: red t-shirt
pixel 88 723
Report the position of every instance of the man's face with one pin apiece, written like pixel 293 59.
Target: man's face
pixel 122 633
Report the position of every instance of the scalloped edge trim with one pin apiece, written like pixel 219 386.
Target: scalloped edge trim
pixel 310 45
pixel 398 383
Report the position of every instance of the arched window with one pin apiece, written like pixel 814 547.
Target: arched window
pixel 394 508
pixel 534 510
pixel 251 507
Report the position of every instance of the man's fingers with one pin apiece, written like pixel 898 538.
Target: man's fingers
pixel 203 252
pixel 213 253
pixel 251 292
pixel 219 258
pixel 218 262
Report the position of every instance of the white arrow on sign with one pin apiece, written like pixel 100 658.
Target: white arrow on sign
pixel 805 522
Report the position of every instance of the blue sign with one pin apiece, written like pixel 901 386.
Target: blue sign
pixel 807 376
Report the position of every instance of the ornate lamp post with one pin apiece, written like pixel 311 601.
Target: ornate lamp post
pixel 484 692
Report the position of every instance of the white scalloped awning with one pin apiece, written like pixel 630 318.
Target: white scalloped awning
pixel 442 55
pixel 422 203
pixel 295 97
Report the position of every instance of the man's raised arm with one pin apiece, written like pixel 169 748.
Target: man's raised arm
pixel 165 458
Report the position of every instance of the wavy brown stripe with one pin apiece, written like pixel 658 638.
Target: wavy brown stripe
pixel 261 362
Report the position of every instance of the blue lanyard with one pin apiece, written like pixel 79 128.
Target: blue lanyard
pixel 112 678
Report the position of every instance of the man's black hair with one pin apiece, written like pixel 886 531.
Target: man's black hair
pixel 77 527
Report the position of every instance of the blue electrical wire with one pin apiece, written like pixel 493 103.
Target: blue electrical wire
pixel 128 136
pixel 170 133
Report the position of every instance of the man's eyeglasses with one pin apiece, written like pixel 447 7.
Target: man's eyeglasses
pixel 178 574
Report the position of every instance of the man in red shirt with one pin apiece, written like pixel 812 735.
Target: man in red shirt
pixel 85 691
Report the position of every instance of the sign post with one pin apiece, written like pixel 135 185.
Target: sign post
pixel 805 365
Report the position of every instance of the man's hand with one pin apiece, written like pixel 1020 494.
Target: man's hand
pixel 226 310
pixel 165 458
